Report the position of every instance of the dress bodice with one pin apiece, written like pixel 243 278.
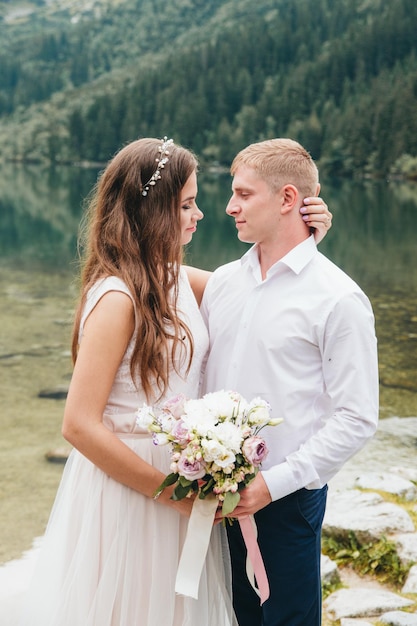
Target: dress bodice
pixel 126 395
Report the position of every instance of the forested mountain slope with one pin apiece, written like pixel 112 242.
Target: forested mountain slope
pixel 80 78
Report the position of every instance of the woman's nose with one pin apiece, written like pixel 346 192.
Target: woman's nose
pixel 199 214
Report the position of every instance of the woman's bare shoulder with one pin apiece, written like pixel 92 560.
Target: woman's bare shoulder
pixel 198 279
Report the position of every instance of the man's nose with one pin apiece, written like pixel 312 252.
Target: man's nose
pixel 232 206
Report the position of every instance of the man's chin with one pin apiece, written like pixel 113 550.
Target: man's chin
pixel 244 239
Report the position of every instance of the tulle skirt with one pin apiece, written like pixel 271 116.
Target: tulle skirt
pixel 109 557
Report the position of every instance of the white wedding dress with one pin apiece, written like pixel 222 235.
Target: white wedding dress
pixel 110 555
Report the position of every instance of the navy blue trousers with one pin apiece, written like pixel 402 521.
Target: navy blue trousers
pixel 289 537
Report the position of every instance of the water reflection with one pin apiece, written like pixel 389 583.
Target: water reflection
pixel 372 237
pixel 373 234
pixel 39 214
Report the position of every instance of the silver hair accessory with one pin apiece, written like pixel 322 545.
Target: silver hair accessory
pixel 161 160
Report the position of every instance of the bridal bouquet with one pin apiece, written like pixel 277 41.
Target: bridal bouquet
pixel 216 447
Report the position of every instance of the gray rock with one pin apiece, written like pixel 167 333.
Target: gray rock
pixel 365 514
pixel 58 455
pixel 411 582
pixel 406 546
pixel 394 444
pixel 57 393
pixel 329 571
pixel 391 483
pixel 399 618
pixel 410 473
pixel 363 603
pixel 402 428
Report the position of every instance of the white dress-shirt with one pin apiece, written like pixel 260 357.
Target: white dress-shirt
pixel 304 340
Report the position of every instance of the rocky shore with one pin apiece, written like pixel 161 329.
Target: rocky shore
pixel 373 503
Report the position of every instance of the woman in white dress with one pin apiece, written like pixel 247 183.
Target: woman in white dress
pixel 111 551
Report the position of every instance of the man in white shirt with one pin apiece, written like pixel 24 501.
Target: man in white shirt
pixel 289 326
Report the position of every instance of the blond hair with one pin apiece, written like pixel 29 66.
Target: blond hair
pixel 280 162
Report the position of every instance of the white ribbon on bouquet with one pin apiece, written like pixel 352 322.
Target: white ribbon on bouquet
pixel 196 545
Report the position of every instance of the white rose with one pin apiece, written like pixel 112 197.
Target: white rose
pixel 145 417
pixel 259 412
pixel 212 450
pixel 229 435
pixel 215 452
pixel 167 422
pixel 197 418
pixel 224 403
pixel 160 439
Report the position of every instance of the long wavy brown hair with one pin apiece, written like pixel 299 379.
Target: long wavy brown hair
pixel 138 239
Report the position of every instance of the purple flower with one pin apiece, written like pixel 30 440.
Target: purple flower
pixel 191 469
pixel 255 450
pixel 180 432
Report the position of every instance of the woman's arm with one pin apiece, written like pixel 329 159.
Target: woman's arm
pixel 317 216
pixel 198 280
pixel 107 332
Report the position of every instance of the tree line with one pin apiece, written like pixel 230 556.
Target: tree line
pixel 341 79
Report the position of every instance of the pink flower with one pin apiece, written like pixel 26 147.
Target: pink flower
pixel 180 432
pixel 255 450
pixel 192 470
pixel 175 405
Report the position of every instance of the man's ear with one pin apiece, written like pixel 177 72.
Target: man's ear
pixel 318 189
pixel 289 198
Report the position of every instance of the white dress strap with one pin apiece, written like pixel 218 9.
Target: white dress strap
pixel 97 291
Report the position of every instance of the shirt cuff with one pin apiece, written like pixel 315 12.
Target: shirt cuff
pixel 280 481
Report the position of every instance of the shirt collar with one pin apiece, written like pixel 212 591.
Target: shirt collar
pixel 296 259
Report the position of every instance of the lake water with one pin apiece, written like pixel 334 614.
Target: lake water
pixel 372 239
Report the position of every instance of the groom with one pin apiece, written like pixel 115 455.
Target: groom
pixel 288 325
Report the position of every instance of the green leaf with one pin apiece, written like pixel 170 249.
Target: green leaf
pixel 184 482
pixel 181 491
pixel 230 502
pixel 208 486
pixel 248 479
pixel 169 480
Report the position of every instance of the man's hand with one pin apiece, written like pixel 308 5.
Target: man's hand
pixel 253 498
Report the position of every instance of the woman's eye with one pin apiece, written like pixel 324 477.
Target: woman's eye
pixel 186 206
